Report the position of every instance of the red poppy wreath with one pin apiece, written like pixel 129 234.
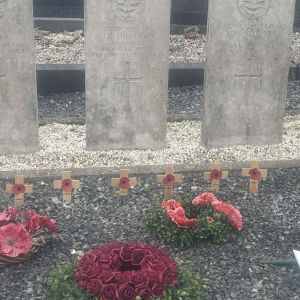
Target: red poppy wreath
pixel 22 234
pixel 189 221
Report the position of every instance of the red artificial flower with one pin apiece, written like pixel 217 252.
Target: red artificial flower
pixel 231 212
pixel 18 188
pixel 13 211
pixel 210 220
pixel 15 240
pixel 168 180
pixel 124 183
pixel 178 216
pixel 204 199
pixel 170 204
pixel 35 222
pixel 145 271
pixel 67 185
pixel 216 174
pixel 4 218
pixel 254 174
pixel 46 222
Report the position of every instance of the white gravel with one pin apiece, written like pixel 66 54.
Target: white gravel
pixel 63 146
pixel 51 50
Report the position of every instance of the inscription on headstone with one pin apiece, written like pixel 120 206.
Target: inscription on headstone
pixel 18 96
pixel 127 46
pixel 247 64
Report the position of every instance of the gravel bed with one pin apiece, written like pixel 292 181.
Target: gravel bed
pixel 97 216
pixel 63 146
pixel 51 49
pixel 182 100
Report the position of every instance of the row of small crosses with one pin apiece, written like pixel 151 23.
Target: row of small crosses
pixel 124 182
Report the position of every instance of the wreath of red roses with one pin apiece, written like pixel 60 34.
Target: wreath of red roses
pixel 124 271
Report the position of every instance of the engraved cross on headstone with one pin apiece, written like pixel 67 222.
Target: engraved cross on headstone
pixel 2 78
pixel 248 76
pixel 127 79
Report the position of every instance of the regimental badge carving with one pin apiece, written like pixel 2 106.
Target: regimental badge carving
pixel 253 9
pixel 128 10
pixel 3 9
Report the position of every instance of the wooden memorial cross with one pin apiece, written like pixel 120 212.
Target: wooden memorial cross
pixel 124 182
pixel 255 174
pixel 168 180
pixel 66 184
pixel 19 189
pixel 215 175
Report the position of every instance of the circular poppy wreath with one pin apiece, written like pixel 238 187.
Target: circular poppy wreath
pixel 125 271
pixel 190 221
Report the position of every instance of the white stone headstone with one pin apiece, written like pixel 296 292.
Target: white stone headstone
pixel 247 64
pixel 127 46
pixel 18 94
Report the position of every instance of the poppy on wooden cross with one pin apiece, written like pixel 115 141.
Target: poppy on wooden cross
pixel 66 184
pixel 19 189
pixel 215 175
pixel 124 182
pixel 168 180
pixel 255 173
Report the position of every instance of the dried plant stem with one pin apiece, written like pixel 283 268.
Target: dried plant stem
pixel 10 202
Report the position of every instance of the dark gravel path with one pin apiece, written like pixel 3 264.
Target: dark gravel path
pixel 184 100
pixel 231 271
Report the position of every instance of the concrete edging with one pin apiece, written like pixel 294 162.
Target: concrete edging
pixel 46 175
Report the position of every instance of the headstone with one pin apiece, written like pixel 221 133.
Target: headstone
pixel 247 65
pixel 18 95
pixel 127 46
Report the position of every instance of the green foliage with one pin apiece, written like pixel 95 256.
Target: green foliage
pixel 168 232
pixel 188 287
pixel 64 287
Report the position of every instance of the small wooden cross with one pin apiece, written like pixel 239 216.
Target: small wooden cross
pixel 19 189
pixel 168 180
pixel 255 174
pixel 66 184
pixel 124 182
pixel 215 175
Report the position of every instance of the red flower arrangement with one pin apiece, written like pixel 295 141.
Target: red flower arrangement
pixel 124 183
pixel 18 230
pixel 67 185
pixel 169 180
pixel 177 214
pixel 122 271
pixel 254 174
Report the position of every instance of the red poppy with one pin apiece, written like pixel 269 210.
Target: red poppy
pixel 255 174
pixel 170 204
pixel 4 218
pixel 209 219
pixel 216 174
pixel 178 216
pixel 124 183
pixel 231 212
pixel 204 199
pixel 67 185
pixel 15 240
pixel 168 180
pixel 46 222
pixel 18 188
pixel 13 211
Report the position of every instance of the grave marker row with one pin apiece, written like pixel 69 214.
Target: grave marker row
pixel 124 182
